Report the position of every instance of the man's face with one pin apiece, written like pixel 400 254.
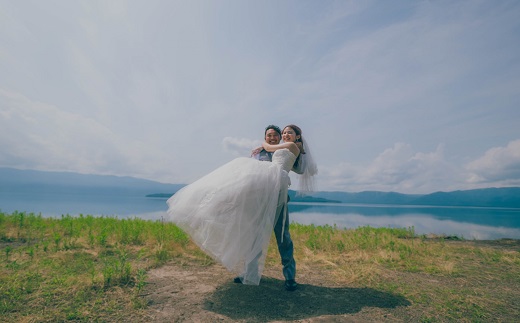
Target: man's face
pixel 272 137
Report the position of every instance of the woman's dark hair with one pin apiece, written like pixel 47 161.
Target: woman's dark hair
pixel 296 129
pixel 298 132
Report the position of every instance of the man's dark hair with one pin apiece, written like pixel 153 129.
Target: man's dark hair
pixel 275 128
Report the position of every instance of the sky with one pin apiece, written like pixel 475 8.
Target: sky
pixel 403 96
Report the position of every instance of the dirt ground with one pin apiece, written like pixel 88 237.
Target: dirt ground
pixel 178 293
pixel 195 293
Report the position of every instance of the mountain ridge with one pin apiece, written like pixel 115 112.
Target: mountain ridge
pixel 49 181
pixel 32 181
pixel 482 197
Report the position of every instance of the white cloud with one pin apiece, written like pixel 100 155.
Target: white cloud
pixel 401 169
pixel 240 147
pixel 499 166
pixel 45 137
pixel 42 136
pixel 152 89
pixel 397 169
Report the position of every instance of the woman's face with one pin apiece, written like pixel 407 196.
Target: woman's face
pixel 289 135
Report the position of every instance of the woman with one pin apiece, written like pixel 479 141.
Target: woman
pixel 230 213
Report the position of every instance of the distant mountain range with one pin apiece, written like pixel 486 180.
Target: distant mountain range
pixel 31 181
pixel 485 197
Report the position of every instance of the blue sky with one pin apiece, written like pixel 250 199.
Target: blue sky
pixel 405 96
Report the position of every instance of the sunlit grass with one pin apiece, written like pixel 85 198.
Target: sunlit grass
pixel 453 275
pixel 72 267
pixel 89 268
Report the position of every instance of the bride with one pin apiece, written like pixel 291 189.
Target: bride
pixel 230 212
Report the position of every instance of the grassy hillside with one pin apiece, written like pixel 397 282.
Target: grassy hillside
pixel 94 268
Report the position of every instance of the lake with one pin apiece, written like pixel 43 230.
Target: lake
pixel 467 222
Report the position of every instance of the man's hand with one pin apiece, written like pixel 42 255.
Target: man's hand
pixel 256 151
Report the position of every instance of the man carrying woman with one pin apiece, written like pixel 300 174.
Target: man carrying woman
pixel 230 213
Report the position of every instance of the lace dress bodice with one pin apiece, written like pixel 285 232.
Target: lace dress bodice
pixel 284 158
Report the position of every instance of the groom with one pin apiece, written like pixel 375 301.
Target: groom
pixel 272 136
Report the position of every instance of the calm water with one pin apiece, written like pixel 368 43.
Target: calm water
pixel 466 222
pixel 470 223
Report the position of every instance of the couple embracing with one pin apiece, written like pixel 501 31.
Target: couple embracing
pixel 231 212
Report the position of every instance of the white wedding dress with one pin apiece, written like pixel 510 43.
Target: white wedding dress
pixel 230 213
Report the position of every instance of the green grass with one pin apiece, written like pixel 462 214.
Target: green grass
pixel 89 268
pixel 81 268
pixel 447 279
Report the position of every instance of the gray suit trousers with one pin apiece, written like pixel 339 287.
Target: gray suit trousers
pixel 285 246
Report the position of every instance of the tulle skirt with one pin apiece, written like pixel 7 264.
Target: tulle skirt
pixel 230 213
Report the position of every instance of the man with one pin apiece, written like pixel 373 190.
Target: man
pixel 272 136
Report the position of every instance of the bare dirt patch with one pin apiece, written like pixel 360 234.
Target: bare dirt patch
pixel 191 293
pixel 477 290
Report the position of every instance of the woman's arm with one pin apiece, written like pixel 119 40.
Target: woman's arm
pixel 289 145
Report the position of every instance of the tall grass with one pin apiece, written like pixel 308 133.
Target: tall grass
pixel 89 268
pixel 71 267
pixel 464 281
